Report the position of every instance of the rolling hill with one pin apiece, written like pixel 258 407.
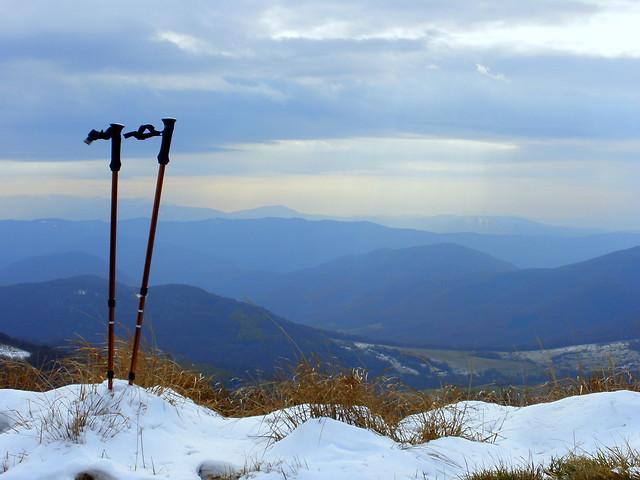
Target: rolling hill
pixel 182 320
pixel 593 301
pixel 331 294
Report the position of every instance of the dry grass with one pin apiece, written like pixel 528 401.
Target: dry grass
pixel 608 464
pixel 604 380
pixel 68 419
pixel 154 369
pixel 308 389
pixel 503 472
pixel 20 375
pixel 86 364
pixel 313 389
pixel 609 379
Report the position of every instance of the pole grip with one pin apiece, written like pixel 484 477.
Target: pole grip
pixel 115 132
pixel 167 133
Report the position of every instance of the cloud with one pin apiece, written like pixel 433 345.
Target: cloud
pixel 609 32
pixel 483 70
pixel 401 156
pixel 394 156
pixel 185 42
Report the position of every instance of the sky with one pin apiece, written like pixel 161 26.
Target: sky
pixel 365 107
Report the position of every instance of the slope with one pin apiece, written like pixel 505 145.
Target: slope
pixel 592 301
pixel 57 265
pixel 182 320
pixel 384 278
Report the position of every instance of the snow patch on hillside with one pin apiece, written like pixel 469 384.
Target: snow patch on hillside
pixel 394 363
pixel 15 353
pixel 624 355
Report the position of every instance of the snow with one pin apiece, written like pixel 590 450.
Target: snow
pixel 9 351
pixel 624 354
pixel 136 433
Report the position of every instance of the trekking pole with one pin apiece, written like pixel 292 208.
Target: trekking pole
pixel 113 133
pixel 163 160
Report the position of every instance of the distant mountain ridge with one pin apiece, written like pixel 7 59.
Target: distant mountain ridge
pixel 57 265
pixel 210 253
pixel 31 207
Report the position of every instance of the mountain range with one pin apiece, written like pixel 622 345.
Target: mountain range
pixel 239 340
pixel 57 265
pixel 448 295
pixel 200 252
pixel 398 285
pixel 31 207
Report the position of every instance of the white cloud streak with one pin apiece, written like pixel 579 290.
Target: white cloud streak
pixel 609 33
pixel 486 71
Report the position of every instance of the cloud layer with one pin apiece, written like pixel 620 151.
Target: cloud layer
pixel 486 91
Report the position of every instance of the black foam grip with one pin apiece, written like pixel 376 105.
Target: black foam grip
pixel 167 134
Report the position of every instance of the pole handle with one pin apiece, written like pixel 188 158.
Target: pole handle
pixel 115 132
pixel 167 133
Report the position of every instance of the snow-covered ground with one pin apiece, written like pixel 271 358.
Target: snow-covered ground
pixel 133 433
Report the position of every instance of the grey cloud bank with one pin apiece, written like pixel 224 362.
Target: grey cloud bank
pixel 458 93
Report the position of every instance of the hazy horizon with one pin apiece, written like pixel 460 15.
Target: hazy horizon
pixel 65 207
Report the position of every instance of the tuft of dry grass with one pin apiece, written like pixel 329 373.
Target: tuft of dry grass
pixel 607 464
pixel 313 381
pixel 21 375
pixel 504 472
pixel 69 419
pixel 607 379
